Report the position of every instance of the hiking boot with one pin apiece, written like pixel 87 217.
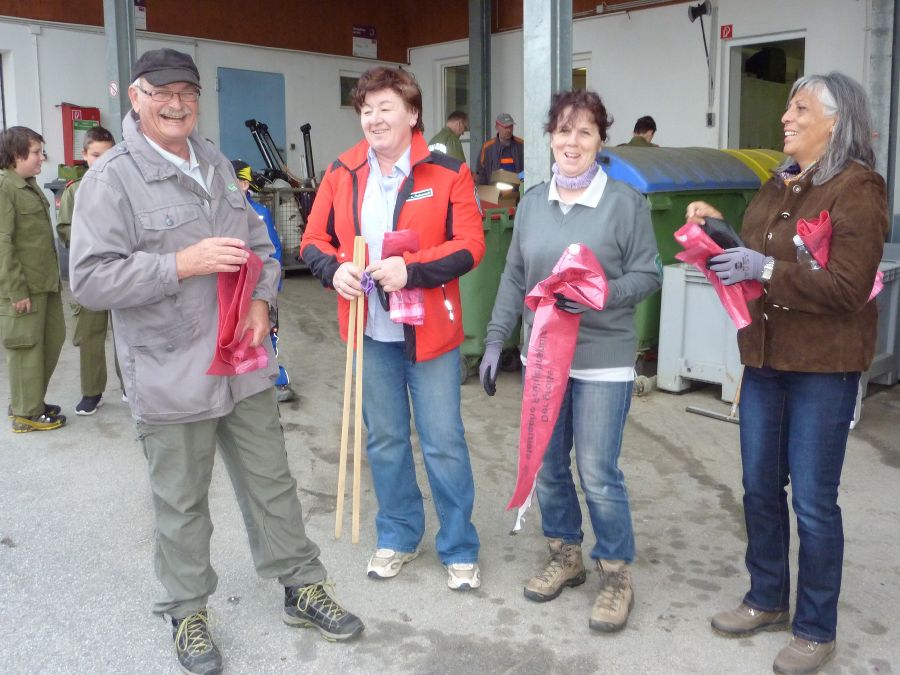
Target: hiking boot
pixel 45 422
pixel 88 404
pixel 49 409
pixel 743 621
pixel 803 657
pixel 385 563
pixel 197 653
pixel 313 606
pixel 463 576
pixel 564 567
pixel 616 598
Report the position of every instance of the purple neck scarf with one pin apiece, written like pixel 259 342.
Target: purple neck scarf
pixel 579 182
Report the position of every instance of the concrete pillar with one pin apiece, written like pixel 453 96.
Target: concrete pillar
pixel 480 127
pixel 547 47
pixel 118 21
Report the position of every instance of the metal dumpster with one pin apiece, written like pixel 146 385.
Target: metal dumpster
pixel 478 290
pixel 672 178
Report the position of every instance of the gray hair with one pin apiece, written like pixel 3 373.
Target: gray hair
pixel 851 140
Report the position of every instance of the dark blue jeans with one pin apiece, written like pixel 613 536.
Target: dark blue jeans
pixel 390 380
pixel 592 419
pixel 794 427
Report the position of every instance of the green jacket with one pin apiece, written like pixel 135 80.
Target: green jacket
pixel 448 142
pixel 639 142
pixel 28 263
pixel 65 211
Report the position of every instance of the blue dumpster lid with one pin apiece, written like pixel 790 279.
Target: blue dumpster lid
pixel 677 169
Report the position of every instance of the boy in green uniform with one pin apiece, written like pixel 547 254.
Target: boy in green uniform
pixel 90 325
pixel 32 326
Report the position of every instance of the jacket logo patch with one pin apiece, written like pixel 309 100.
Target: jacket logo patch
pixel 420 194
pixel 232 187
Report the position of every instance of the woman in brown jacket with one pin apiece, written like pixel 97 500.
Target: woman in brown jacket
pixel 813 333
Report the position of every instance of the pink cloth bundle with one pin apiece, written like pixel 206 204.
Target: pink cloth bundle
pixel 234 355
pixel 408 304
pixel 816 236
pixel 698 248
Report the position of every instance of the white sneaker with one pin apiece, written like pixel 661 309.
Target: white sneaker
pixel 386 563
pixel 463 576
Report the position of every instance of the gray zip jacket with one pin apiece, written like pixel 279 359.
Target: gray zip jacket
pixel 134 211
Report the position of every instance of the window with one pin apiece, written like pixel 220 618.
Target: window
pixel 456 89
pixel 579 79
pixel 347 83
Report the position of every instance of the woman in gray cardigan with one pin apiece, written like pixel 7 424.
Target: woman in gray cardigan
pixel 580 204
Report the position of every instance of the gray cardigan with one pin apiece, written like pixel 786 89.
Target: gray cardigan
pixel 619 233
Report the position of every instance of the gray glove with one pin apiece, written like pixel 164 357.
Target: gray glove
pixel 490 365
pixel 737 264
pixel 570 306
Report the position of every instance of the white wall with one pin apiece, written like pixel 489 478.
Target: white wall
pixel 652 62
pixel 68 64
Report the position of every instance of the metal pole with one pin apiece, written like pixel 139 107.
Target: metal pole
pixel 893 141
pixel 479 77
pixel 547 43
pixel 118 21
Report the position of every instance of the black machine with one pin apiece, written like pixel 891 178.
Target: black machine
pixel 276 166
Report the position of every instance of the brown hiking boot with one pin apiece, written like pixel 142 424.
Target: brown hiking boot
pixel 616 598
pixel 743 621
pixel 803 657
pixel 564 568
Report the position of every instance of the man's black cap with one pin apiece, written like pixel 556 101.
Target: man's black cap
pixel 165 66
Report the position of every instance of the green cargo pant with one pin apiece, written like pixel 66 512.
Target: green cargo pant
pixel 90 338
pixel 33 342
pixel 180 458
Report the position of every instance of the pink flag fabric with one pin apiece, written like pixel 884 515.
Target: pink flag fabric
pixel 234 355
pixel 408 304
pixel 578 276
pixel 698 248
pixel 816 235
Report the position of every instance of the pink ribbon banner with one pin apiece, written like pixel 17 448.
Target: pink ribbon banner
pixel 580 278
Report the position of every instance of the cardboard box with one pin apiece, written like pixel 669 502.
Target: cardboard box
pixel 491 197
pixel 504 176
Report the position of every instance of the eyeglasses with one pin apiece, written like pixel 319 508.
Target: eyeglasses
pixel 166 95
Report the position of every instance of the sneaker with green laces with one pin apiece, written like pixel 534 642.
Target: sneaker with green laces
pixel 197 653
pixel 313 606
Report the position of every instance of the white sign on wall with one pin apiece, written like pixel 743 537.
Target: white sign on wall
pixel 365 43
pixel 140 14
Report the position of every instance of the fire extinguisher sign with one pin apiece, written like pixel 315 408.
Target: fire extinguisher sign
pixel 726 32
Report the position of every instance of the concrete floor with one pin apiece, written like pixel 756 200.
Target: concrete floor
pixel 76 537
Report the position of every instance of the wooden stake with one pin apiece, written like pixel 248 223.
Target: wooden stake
pixel 354 341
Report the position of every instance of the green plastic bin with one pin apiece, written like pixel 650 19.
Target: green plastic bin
pixel 478 290
pixel 672 178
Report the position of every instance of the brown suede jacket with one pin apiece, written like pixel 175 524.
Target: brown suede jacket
pixel 817 321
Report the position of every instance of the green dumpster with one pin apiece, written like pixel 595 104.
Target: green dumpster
pixel 478 290
pixel 672 178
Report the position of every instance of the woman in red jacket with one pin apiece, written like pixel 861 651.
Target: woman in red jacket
pixel 388 182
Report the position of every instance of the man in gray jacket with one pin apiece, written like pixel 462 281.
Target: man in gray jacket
pixel 157 219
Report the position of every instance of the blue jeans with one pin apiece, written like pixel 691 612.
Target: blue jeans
pixel 794 427
pixel 389 380
pixel 593 416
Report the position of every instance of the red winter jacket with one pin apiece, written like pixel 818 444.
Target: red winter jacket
pixel 438 202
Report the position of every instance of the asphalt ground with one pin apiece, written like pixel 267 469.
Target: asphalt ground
pixel 76 540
